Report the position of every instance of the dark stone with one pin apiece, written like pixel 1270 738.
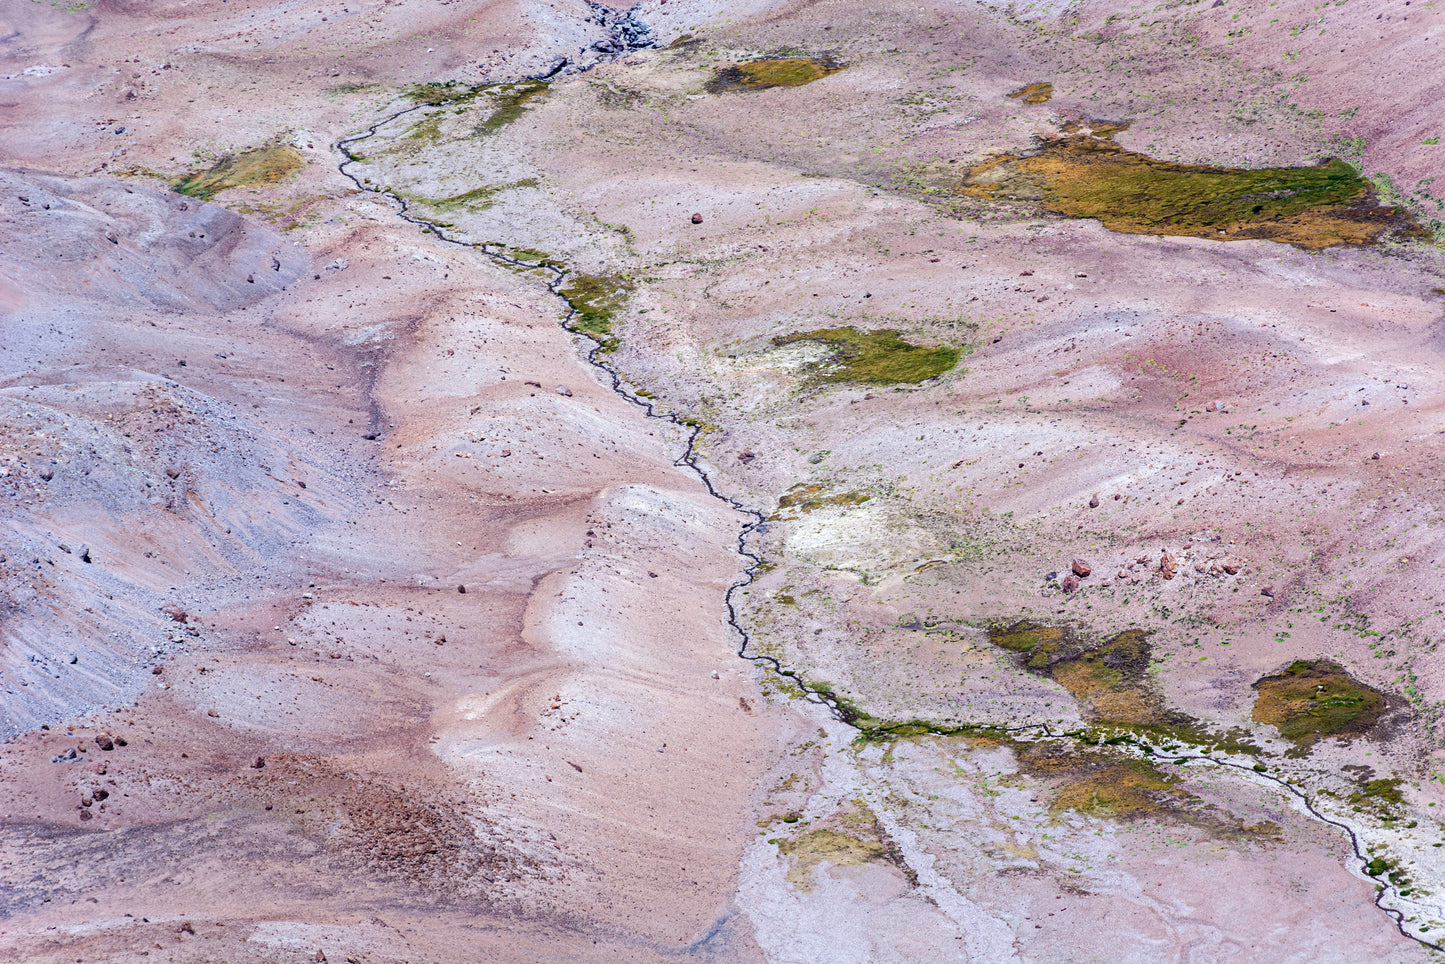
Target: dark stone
pixel 1071 582
pixel 104 741
pixel 697 219
pixel 1081 568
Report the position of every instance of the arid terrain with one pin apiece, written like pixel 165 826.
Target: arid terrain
pixel 715 481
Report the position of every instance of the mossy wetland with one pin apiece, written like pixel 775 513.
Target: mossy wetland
pixel 1039 93
pixel 879 357
pixel 1085 174
pixel 1312 699
pixel 596 299
pixel 260 167
pixel 1109 678
pixel 768 73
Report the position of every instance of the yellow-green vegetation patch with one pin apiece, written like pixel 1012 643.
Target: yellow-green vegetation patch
pixel 1102 784
pixel 508 103
pixel 875 357
pixel 260 167
pixel 780 72
pixel 1034 93
pixel 1087 175
pixel 595 301
pixel 436 92
pixel 833 846
pixel 807 497
pixel 1109 678
pixel 1312 699
pixel 1037 643
pixel 478 199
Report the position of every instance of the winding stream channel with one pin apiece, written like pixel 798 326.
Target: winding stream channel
pixel 623 37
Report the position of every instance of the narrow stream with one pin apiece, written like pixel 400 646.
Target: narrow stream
pixel 624 37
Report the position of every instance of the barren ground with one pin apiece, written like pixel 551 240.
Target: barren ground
pixel 356 604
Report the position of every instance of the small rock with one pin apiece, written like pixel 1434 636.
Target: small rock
pixel 1230 567
pixel 746 457
pixel 46 474
pixel 173 473
pixel 1167 565
pixel 1071 582
pixel 86 815
pixel 1210 406
pixel 105 741
pixel 697 219
pixel 1123 573
pixel 1094 501
pixel 100 793
pixel 85 554
pixel 212 713
pixel 71 658
pixel 1376 456
pixel 186 928
pixel 462 590
pixel 319 956
pixel 1267 591
pixel 176 613
pixel 1080 568
pixel 260 762
pixel 564 390
pixel 157 670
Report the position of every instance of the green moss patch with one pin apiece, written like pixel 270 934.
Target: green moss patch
pixel 261 167
pixel 1034 93
pixel 876 357
pixel 1087 175
pixel 595 301
pixel 832 846
pixel 1109 678
pixel 477 199
pixel 508 102
pixel 435 93
pixel 763 74
pixel 807 497
pixel 1312 699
